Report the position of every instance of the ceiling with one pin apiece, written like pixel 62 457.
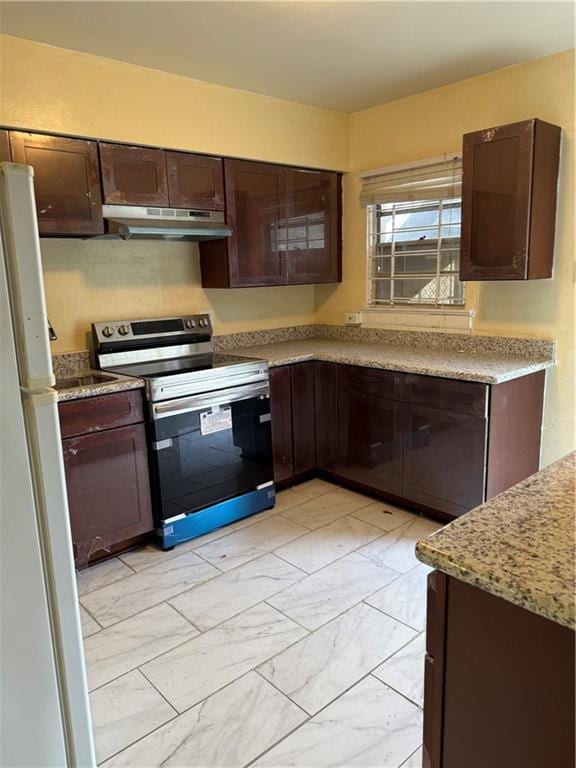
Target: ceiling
pixel 343 56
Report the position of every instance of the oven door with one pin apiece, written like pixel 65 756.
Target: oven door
pixel 208 448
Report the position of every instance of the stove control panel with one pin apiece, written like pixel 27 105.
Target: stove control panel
pixel 125 331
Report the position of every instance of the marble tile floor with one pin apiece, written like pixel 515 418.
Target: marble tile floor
pixel 292 638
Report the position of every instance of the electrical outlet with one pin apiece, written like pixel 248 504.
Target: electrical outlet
pixel 351 318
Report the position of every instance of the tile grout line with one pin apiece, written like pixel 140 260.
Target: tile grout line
pixel 269 682
pixel 309 631
pixel 333 701
pixel 200 631
pixel 91 616
pixel 396 690
pixel 389 615
pixel 411 756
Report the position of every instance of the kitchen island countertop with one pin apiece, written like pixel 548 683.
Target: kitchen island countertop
pixel 519 546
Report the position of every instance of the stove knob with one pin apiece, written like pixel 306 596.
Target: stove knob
pixel 123 330
pixel 204 322
pixel 190 323
pixel 107 331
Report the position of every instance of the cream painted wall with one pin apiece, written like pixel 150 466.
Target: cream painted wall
pixel 432 123
pixel 52 89
pixel 58 90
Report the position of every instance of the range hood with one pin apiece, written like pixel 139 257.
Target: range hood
pixel 134 222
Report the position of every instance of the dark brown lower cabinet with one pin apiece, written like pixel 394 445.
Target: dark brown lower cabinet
pixel 444 458
pixel 442 445
pixel 499 683
pixel 303 432
pixel 281 411
pixel 107 481
pixel 292 407
pixel 370 441
pixel 326 413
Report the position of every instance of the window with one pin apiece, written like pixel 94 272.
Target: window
pixel 414 215
pixel 413 253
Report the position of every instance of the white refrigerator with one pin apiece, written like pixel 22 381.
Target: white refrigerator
pixel 44 709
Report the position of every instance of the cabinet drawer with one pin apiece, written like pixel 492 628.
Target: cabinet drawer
pixel 94 414
pixel 450 394
pixel 370 381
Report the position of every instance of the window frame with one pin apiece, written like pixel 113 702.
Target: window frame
pixel 375 213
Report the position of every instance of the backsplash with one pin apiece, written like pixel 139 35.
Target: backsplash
pixel 500 345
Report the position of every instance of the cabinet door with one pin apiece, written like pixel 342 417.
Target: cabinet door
pixel 370 441
pixel 444 458
pixel 133 175
pixel 509 201
pixel 313 248
pixel 256 212
pixel 281 412
pixel 66 182
pixel 304 437
pixel 326 410
pixel 108 488
pixel 4 146
pixel 195 181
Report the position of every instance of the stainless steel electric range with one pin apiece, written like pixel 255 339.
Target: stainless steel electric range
pixel 210 446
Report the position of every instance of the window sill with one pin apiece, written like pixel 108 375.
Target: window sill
pixel 448 319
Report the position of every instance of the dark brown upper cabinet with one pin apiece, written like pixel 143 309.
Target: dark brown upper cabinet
pixel 312 227
pixel 195 181
pixel 509 189
pixel 133 175
pixel 286 225
pixel 66 182
pixel 4 146
pixel 255 253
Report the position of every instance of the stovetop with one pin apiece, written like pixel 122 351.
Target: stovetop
pixel 173 355
pixel 180 365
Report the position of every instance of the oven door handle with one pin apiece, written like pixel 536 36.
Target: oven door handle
pixel 209 399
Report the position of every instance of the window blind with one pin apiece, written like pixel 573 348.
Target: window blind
pixel 437 178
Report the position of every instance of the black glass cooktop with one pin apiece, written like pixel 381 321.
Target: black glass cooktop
pixel 179 365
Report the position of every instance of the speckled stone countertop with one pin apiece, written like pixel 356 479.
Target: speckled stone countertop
pixel 72 364
pixel 104 388
pixel 488 368
pixel 519 546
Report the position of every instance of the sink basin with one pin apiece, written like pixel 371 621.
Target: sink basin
pixel 83 381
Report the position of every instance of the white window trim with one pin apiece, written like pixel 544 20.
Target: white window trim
pixel 438 319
